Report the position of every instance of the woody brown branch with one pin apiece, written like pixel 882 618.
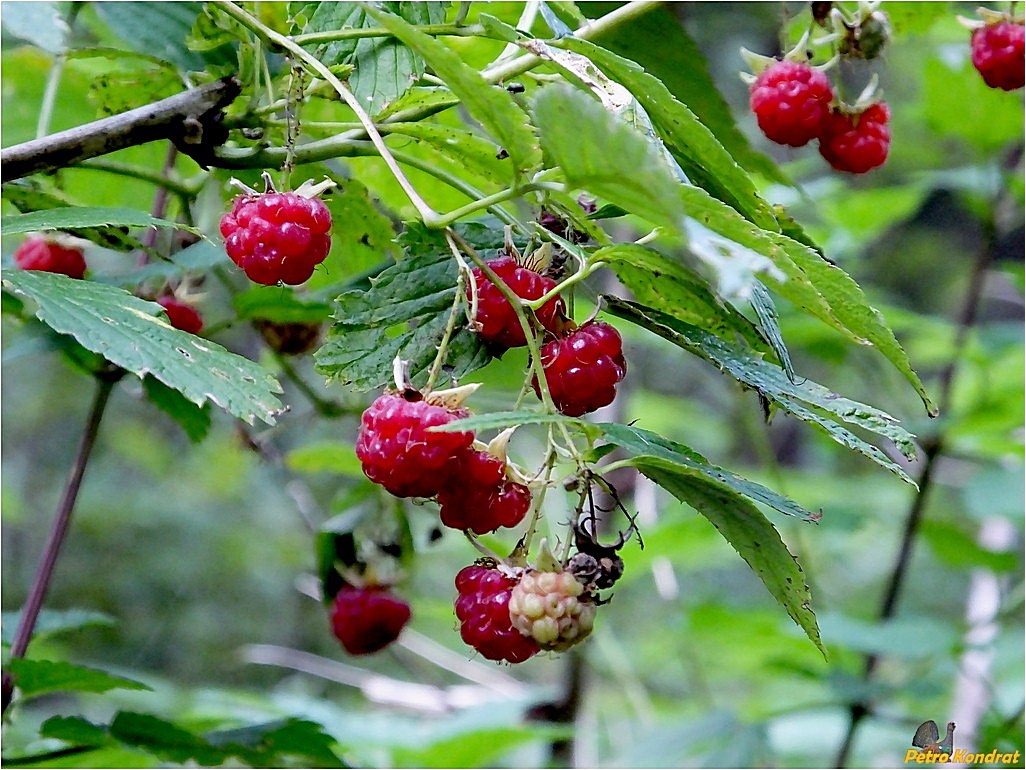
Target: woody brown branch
pixel 190 119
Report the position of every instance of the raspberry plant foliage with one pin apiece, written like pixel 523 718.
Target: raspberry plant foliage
pixel 703 262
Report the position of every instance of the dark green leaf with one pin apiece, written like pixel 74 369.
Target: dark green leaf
pixel 645 443
pixel 492 106
pixel 161 30
pixel 804 399
pixel 53 622
pixel 194 420
pixel 665 284
pixel 678 470
pixel 404 314
pixel 262 745
pixel 78 217
pixel 659 42
pixel 129 332
pixel 74 730
pixel 699 153
pixel 602 154
pixel 36 677
pixel 768 326
pixel 163 738
pixel 813 284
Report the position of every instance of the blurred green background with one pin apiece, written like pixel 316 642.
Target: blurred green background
pixel 202 555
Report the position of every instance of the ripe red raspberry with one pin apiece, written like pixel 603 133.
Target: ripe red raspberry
pixel 790 101
pixel 856 142
pixel 582 369
pixel 277 236
pixel 181 315
pixel 400 453
pixel 483 611
pixel 479 497
pixel 38 253
pixel 549 607
pixel 997 52
pixel 499 324
pixel 367 619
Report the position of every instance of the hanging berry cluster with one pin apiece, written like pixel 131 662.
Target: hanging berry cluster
pixel 996 48
pixel 508 609
pixel 795 102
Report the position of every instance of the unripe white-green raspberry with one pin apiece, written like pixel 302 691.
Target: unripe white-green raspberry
pixel 549 608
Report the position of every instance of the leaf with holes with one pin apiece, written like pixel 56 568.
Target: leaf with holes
pixel 132 334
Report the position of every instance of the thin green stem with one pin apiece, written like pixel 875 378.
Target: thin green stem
pixel 358 33
pixel 568 283
pixel 59 530
pixel 427 214
pixel 485 202
pixel 450 326
pixel 184 191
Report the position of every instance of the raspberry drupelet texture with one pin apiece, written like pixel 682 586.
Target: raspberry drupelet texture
pixel 856 142
pixel 367 619
pixel 790 101
pixel 498 321
pixel 552 609
pixel 39 253
pixel 482 608
pixel 997 53
pixel 479 497
pixel 277 236
pixel 399 452
pixel 582 369
pixel 180 315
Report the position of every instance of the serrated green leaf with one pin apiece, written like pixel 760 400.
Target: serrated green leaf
pixel 701 156
pixel 162 30
pixel 193 419
pixel 37 677
pixel 769 328
pixel 658 41
pixel 78 217
pixel 602 154
pixel 490 105
pixel 51 622
pixel 384 67
pixel 262 745
pixel 813 284
pixel 715 495
pixel 404 314
pixel 129 332
pixel 420 101
pixel 751 535
pixel 474 153
pixel 645 443
pixel 665 284
pixel 804 399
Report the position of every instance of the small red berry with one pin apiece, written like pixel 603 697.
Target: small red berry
pixel 498 321
pixel 181 315
pixel 367 619
pixel 997 52
pixel 582 369
pixel 277 236
pixel 38 253
pixel 482 608
pixel 856 142
pixel 399 452
pixel 790 101
pixel 479 497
